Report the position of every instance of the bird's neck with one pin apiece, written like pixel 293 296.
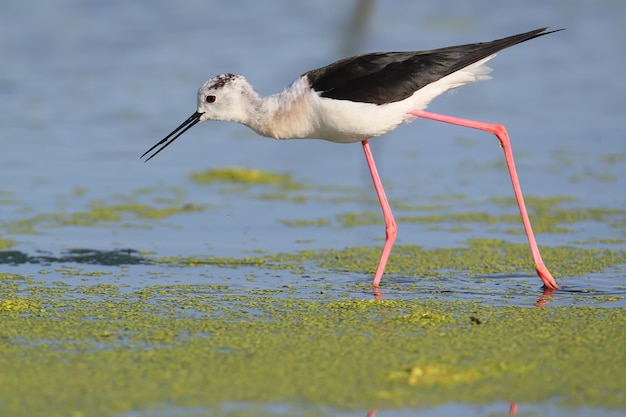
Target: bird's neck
pixel 285 115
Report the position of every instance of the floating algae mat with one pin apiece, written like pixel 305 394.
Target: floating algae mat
pixel 88 333
pixel 190 349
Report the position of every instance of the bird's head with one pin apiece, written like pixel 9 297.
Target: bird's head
pixel 226 97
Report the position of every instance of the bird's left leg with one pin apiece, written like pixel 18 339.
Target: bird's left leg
pixel 505 142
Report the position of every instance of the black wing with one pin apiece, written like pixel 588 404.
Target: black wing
pixel 385 77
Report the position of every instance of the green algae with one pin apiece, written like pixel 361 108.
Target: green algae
pixel 6 243
pixel 305 223
pixel 612 158
pixel 104 349
pixel 236 175
pixel 546 216
pixel 16 306
pixel 478 257
pixel 5 275
pixel 185 346
pixel 7 197
pixel 291 197
pixel 274 186
pixel 166 202
pixel 97 215
pixel 549 214
pixel 216 261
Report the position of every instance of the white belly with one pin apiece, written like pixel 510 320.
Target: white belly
pixel 299 112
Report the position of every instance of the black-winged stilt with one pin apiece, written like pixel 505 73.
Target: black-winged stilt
pixel 357 98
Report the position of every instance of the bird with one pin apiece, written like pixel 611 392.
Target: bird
pixel 359 98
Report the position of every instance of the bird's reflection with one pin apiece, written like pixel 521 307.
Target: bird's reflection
pixel 545 298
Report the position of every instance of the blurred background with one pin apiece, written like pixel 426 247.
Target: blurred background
pixel 87 86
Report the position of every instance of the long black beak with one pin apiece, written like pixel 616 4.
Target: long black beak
pixel 185 126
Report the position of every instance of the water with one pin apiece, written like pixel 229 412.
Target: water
pixel 87 87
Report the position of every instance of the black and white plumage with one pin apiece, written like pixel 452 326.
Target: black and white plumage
pixel 386 77
pixel 350 100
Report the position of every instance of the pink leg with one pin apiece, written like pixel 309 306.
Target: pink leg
pixel 505 142
pixel 390 222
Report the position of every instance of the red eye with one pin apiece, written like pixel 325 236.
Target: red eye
pixel 210 99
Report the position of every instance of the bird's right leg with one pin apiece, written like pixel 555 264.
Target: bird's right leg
pixel 390 223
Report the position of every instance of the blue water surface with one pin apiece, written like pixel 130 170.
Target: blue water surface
pixel 87 87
